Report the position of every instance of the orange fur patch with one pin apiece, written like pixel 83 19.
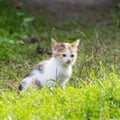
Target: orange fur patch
pixel 73 50
pixel 58 55
pixel 60 48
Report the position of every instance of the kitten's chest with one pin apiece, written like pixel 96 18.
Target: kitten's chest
pixel 54 70
pixel 64 73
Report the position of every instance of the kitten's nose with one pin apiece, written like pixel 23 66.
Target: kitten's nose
pixel 68 61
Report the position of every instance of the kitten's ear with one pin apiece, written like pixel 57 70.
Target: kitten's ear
pixel 54 43
pixel 76 43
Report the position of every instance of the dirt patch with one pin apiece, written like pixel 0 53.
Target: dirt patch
pixel 79 10
pixel 70 5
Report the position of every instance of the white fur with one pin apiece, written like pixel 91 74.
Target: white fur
pixel 56 70
pixel 53 70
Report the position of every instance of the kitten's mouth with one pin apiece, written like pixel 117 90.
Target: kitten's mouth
pixel 68 62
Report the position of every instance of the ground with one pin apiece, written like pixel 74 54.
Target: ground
pixel 93 91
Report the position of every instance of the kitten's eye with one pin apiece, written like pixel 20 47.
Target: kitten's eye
pixel 64 55
pixel 72 55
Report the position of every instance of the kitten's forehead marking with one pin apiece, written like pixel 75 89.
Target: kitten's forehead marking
pixel 64 48
pixel 60 47
pixel 68 48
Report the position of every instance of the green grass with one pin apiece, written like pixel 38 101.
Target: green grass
pixel 94 88
pixel 99 100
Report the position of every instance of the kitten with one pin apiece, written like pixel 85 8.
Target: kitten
pixel 57 70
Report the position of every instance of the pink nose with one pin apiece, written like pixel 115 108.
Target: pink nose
pixel 68 61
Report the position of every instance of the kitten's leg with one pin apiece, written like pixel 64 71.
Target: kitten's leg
pixel 51 83
pixel 63 84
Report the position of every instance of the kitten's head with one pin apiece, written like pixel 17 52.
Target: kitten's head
pixel 65 53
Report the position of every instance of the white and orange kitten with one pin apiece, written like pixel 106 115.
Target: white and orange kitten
pixel 56 70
